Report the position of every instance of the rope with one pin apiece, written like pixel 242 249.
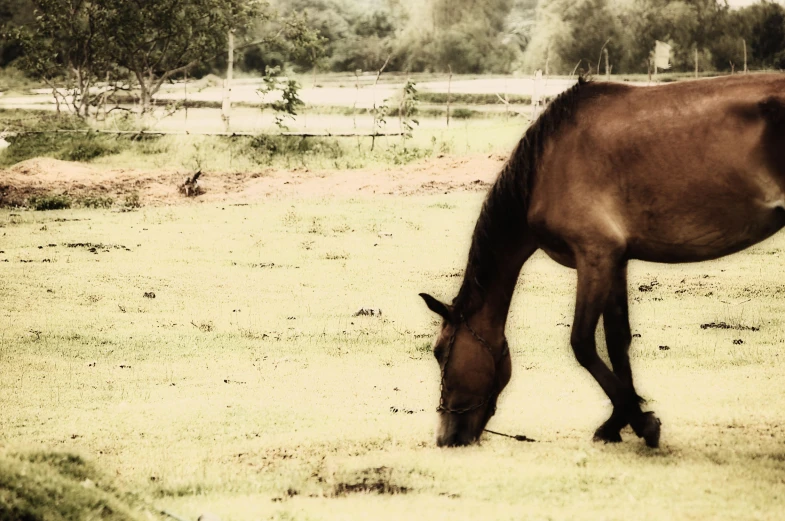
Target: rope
pixel 518 437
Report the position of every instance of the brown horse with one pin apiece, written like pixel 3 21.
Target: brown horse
pixel 609 172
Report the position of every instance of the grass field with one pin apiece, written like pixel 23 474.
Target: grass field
pixel 206 357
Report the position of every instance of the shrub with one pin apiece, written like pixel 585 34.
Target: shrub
pixel 69 147
pixel 471 98
pixel 401 155
pixel 49 202
pixel 265 147
pixel 96 202
pixel 463 113
pixel 132 201
pixel 88 147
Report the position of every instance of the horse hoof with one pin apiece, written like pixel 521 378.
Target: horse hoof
pixel 648 428
pixel 606 435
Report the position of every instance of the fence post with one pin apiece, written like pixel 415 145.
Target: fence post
pixel 744 42
pixel 226 106
pixel 696 61
pixel 449 93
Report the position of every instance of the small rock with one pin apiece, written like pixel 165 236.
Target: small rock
pixel 149 294
pixel 581 458
pixel 371 312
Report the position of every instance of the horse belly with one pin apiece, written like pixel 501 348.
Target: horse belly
pixel 704 236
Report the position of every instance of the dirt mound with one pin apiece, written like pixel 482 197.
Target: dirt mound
pixel 54 486
pixel 45 176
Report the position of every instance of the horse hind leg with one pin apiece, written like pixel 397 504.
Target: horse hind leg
pixel 599 276
pixel 617 338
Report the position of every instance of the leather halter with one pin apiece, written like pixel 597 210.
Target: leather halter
pixel 505 350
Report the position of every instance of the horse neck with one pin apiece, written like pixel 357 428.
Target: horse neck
pixel 495 261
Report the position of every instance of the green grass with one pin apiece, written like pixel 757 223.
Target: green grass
pixel 247 388
pixel 56 486
pixel 255 154
pixel 14 81
pixel 68 147
pixel 442 98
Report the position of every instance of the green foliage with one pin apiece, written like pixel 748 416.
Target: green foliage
pixel 471 98
pixel 571 32
pixel 49 202
pixel 13 120
pixel 58 487
pixel 13 14
pixel 407 109
pixel 402 155
pixel 351 37
pixel 74 45
pixel 285 107
pixel 12 79
pixel 68 147
pixel 158 40
pixel 462 113
pixel 96 202
pixel 265 148
pixel 132 201
pixel 464 36
pixel 66 46
pixel 85 149
pixel 766 34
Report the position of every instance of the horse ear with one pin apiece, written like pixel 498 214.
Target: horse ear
pixel 436 306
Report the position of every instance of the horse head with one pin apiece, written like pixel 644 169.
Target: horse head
pixel 473 373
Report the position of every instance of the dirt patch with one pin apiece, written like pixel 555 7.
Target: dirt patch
pixel 373 480
pixel 43 176
pixel 724 325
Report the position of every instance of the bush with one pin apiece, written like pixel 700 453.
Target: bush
pixel 49 202
pixel 87 148
pixel 96 202
pixel 462 113
pixel 132 201
pixel 265 147
pixel 471 99
pixel 401 155
pixel 69 147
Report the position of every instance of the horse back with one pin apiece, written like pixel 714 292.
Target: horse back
pixel 674 173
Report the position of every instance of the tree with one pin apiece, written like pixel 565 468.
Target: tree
pixel 65 46
pixel 156 41
pixel 766 37
pixel 13 14
pixel 569 33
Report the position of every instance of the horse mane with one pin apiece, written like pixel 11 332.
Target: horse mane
pixel 503 214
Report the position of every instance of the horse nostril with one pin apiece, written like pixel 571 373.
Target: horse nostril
pixel 455 440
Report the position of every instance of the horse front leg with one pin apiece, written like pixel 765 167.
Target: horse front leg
pixel 599 276
pixel 617 338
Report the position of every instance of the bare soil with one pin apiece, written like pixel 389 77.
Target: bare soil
pixel 444 174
